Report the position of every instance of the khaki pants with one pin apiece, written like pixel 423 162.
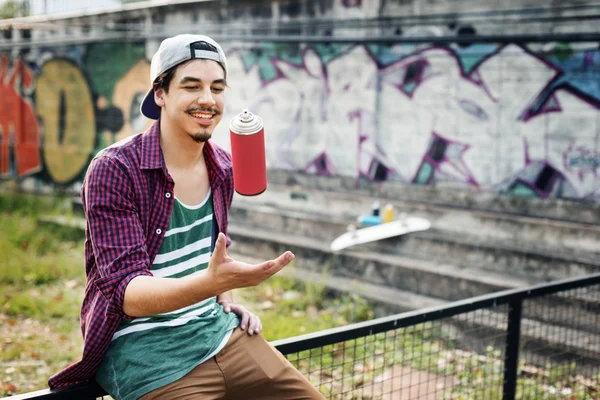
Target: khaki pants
pixel 247 368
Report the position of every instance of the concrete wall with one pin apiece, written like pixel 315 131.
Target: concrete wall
pixel 501 119
pixel 338 18
pixel 38 7
pixel 493 117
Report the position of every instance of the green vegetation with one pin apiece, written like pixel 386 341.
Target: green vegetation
pixel 289 308
pixel 13 9
pixel 426 356
pixel 41 286
pixel 42 280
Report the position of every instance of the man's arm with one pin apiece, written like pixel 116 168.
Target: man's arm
pixel 150 295
pixel 115 231
pixel 122 260
pixel 146 296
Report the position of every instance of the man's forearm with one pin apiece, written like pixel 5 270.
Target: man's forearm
pixel 148 295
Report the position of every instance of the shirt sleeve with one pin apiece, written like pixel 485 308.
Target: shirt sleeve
pixel 229 200
pixel 115 230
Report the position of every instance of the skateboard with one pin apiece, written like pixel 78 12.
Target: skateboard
pixel 378 232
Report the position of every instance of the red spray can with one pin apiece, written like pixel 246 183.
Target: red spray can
pixel 247 135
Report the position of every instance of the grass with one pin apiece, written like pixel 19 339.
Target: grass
pixel 365 363
pixel 42 280
pixel 41 287
pixel 288 307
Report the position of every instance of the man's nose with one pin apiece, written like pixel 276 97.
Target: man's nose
pixel 205 97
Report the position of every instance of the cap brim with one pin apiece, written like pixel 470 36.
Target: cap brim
pixel 149 108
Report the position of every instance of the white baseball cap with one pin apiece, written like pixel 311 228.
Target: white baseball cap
pixel 174 51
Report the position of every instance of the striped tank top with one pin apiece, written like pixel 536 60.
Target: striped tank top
pixel 150 352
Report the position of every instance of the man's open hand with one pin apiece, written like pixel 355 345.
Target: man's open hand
pixel 229 274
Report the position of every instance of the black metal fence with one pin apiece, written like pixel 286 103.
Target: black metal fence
pixel 535 343
pixel 541 342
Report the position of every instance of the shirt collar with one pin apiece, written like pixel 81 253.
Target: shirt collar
pixel 152 155
pixel 214 164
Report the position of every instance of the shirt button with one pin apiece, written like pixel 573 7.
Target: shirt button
pixel 158 231
pixel 168 195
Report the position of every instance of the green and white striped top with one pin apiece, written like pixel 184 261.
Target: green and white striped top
pixel 148 353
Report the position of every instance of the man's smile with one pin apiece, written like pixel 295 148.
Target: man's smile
pixel 203 117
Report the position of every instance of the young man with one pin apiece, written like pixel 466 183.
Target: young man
pixel 158 317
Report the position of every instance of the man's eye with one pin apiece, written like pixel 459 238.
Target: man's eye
pixel 217 90
pixel 191 87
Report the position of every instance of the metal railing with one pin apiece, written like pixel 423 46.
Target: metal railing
pixel 532 343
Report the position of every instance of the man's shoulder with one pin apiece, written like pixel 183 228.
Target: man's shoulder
pixel 125 150
pixel 117 159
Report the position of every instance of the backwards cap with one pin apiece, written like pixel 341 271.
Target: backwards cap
pixel 174 51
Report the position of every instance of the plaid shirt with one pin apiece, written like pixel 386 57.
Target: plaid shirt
pixel 127 199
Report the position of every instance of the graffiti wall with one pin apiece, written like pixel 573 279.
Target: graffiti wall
pixel 501 118
pixel 509 119
pixel 61 108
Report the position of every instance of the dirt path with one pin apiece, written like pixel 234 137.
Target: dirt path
pixel 404 383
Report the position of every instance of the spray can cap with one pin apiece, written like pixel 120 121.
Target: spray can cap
pixel 246 123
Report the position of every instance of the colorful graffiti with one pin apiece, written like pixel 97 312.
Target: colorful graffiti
pixel 506 118
pixel 54 117
pixel 500 118
pixel 445 158
pixel 19 130
pixel 66 110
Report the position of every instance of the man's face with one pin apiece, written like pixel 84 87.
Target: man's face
pixel 195 100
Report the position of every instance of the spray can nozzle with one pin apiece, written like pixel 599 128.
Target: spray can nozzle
pixel 246 115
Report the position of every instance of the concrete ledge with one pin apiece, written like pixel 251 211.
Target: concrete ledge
pixel 422 278
pixel 531 260
pixel 447 196
pixel 570 237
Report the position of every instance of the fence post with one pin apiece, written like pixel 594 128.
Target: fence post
pixel 511 353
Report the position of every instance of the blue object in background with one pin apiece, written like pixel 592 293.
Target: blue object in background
pixel 369 220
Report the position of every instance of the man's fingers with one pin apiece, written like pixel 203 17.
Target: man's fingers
pixel 249 322
pixel 245 317
pixel 278 263
pixel 253 324
pixel 226 305
pixel 285 258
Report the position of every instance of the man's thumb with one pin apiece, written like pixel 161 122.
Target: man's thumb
pixel 220 244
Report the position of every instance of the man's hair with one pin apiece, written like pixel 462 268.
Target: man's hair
pixel 163 81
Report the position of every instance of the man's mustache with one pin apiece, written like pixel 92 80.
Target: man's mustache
pixel 214 110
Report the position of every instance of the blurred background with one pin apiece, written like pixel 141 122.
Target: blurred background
pixel 480 116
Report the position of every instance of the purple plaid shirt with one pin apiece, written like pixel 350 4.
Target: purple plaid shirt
pixel 127 199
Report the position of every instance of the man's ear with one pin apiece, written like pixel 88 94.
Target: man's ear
pixel 159 97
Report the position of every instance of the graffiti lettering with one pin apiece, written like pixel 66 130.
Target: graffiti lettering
pixel 66 110
pixel 585 162
pixel 444 161
pixel 128 95
pixel 361 111
pixel 473 109
pixel 352 3
pixel 19 130
pixel 582 159
pixel 481 107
